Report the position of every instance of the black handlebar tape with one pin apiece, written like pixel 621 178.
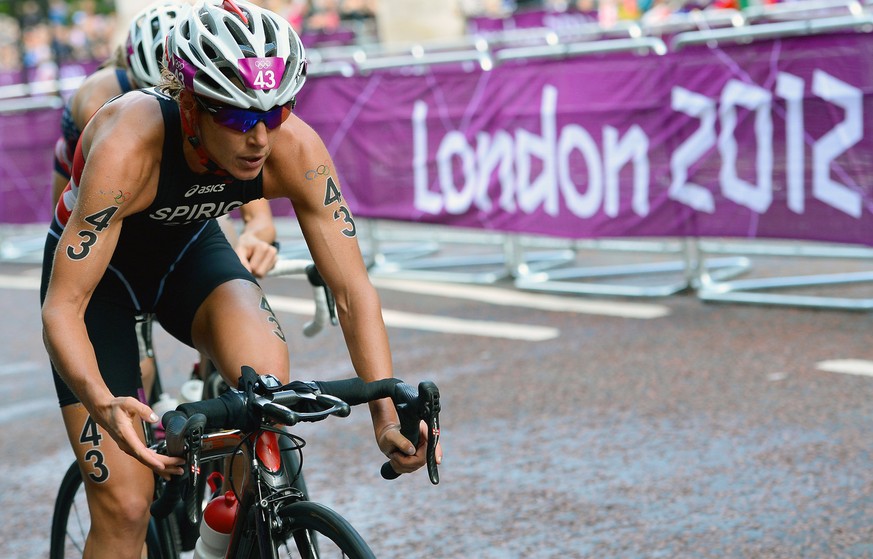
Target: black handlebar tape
pixel 226 412
pixel 314 277
pixel 280 413
pixel 388 471
pixel 406 401
pixel 355 391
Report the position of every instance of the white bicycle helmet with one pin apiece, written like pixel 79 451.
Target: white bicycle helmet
pixel 146 39
pixel 237 54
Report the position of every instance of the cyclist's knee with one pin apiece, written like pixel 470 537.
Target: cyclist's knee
pixel 124 512
pixel 123 500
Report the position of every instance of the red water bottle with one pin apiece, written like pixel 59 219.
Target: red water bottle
pixel 216 527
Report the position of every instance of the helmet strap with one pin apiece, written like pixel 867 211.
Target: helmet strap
pixel 195 142
pixel 231 6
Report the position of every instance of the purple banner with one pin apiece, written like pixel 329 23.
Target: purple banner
pixel 528 19
pixel 760 140
pixel 27 142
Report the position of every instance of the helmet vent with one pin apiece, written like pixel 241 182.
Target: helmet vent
pixel 217 35
pixel 185 30
pixel 249 20
pixel 140 50
pixel 207 81
pixel 240 39
pixel 208 51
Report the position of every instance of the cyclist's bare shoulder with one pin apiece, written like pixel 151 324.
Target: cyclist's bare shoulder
pixel 97 88
pixel 122 145
pixel 297 150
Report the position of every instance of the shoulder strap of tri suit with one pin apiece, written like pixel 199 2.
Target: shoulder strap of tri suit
pixel 123 80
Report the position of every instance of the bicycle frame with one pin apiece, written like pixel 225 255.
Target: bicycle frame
pixel 271 508
pixel 266 487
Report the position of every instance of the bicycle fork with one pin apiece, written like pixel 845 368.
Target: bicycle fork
pixel 268 487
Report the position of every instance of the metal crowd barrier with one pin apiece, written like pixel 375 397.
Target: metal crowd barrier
pixel 430 252
pixel 861 22
pixel 788 290
pixel 705 267
pixel 43 94
pixel 550 264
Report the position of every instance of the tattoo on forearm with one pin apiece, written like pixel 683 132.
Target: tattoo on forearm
pixel 272 319
pixel 332 195
pixel 314 173
pixel 119 196
pixel 100 221
pixel 343 213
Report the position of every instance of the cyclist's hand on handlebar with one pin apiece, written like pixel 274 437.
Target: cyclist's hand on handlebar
pixel 257 255
pixel 403 456
pixel 121 418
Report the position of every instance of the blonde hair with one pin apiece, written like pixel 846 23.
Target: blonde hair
pixel 117 60
pixel 170 84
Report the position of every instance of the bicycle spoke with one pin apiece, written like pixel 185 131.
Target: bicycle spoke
pixel 78 525
pixel 325 549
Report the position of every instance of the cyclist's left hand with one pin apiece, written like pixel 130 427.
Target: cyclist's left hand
pixel 257 255
pixel 120 417
pixel 403 456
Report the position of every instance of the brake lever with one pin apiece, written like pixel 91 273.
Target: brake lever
pixel 331 304
pixel 193 443
pixel 426 408
pixel 429 404
pixel 315 279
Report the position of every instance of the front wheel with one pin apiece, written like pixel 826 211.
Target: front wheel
pixel 71 520
pixel 336 536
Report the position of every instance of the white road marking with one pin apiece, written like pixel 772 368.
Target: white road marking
pixel 430 323
pixel 484 328
pixel 510 297
pixel 22 367
pixel 19 282
pixel 847 366
pixel 11 412
pixel 291 304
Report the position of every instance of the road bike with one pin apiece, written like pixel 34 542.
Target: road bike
pixel 71 519
pixel 275 519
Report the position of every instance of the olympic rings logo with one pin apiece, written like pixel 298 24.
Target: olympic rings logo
pixel 118 196
pixel 320 170
pixel 263 64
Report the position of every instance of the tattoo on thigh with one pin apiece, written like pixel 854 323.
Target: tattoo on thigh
pixel 91 435
pixel 272 319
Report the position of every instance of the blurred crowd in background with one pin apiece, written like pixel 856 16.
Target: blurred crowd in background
pixel 84 31
pixel 41 34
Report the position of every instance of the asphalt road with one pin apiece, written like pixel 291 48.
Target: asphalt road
pixel 569 429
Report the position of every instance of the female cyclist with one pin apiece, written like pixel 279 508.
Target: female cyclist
pixel 137 234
